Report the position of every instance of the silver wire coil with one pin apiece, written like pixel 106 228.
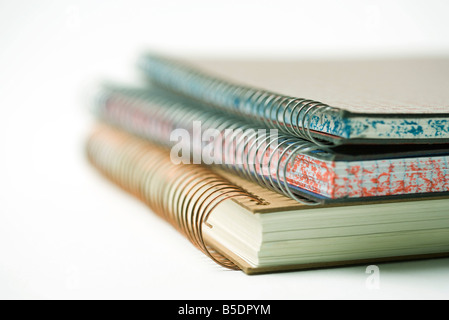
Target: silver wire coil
pixel 246 150
pixel 291 115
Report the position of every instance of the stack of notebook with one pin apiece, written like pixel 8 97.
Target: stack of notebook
pixel 271 166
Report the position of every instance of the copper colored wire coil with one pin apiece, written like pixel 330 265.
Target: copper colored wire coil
pixel 183 195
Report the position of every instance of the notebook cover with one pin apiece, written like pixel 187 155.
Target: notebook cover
pixel 388 87
pixel 405 97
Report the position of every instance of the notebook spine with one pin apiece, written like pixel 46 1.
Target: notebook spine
pixel 183 195
pixel 264 157
pixel 300 117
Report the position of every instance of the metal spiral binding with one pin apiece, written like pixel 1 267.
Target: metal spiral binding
pixel 291 115
pixel 256 155
pixel 183 195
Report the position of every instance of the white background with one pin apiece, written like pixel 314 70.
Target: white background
pixel 65 232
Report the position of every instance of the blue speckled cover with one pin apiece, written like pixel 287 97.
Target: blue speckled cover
pixel 346 102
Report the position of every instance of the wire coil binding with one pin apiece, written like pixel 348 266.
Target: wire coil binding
pixel 266 158
pixel 296 116
pixel 183 195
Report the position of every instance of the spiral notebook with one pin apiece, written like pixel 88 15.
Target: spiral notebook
pixel 289 165
pixel 241 225
pixel 337 102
